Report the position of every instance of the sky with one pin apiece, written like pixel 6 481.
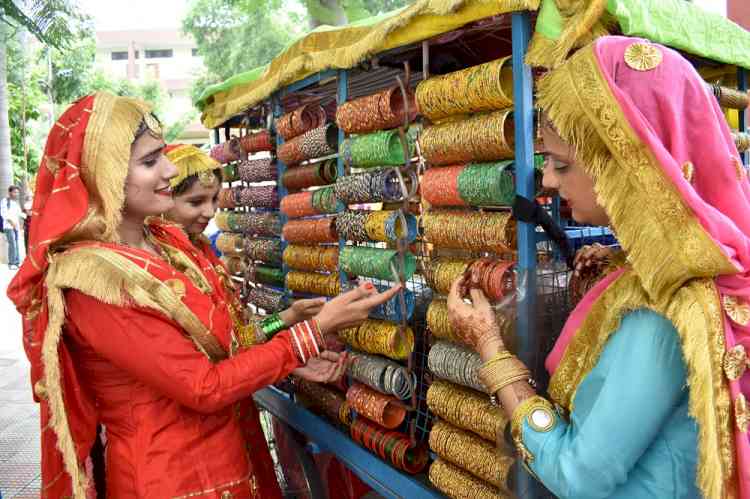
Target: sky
pixel 134 14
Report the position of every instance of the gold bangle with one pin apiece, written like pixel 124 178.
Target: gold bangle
pixel 501 355
pixel 503 372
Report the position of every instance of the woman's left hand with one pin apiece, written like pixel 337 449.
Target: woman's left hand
pixel 302 310
pixel 326 368
pixel 474 321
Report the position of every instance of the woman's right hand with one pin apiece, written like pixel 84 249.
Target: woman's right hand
pixel 353 307
pixel 591 255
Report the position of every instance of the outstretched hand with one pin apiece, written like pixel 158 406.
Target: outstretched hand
pixel 302 310
pixel 326 368
pixel 353 307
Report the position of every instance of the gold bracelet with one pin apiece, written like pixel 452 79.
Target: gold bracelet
pixel 498 375
pixel 501 355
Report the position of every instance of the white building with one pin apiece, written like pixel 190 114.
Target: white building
pixel 165 55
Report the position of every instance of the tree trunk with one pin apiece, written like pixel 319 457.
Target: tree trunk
pixel 6 159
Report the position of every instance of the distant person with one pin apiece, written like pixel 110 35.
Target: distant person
pixel 26 222
pixel 11 214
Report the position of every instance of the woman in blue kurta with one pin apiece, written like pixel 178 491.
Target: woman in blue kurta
pixel 647 397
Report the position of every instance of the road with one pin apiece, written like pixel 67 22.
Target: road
pixel 19 414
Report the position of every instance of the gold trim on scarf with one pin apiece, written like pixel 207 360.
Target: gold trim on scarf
pixel 112 278
pixel 106 153
pixel 667 278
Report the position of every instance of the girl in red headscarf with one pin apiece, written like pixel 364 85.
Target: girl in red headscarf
pixel 125 327
pixel 195 190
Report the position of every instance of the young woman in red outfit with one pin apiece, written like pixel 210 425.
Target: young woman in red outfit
pixel 125 328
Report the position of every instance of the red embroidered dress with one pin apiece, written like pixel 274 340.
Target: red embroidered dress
pixel 120 337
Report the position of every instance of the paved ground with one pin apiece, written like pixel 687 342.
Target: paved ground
pixel 19 414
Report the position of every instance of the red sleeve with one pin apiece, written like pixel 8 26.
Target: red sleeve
pixel 156 352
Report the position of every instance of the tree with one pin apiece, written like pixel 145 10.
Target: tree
pixel 52 22
pixel 234 36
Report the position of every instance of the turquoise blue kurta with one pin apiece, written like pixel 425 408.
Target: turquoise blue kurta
pixel 629 436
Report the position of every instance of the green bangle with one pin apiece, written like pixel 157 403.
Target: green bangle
pixel 272 325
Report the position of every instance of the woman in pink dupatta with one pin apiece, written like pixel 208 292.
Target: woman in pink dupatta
pixel 649 378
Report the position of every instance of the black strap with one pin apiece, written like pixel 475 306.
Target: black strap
pixel 526 210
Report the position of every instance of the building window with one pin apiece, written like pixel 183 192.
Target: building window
pixel 155 54
pixel 122 55
pixel 195 53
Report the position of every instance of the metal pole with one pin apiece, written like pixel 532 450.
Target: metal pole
pixel 342 94
pixel 742 113
pixel 523 115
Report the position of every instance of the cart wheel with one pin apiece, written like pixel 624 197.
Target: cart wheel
pixel 295 469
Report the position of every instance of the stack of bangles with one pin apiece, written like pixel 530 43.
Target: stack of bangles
pixel 503 370
pixel 391 445
pixel 380 337
pixel 323 399
pixel 375 406
pixel 471 453
pixel 267 299
pixel 307 340
pixel 313 283
pixel 269 326
pixel 467 409
pixel 457 483
pixel 456 364
pixel 256 142
pixel 311 258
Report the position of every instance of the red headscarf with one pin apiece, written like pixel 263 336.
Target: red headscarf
pixel 79 196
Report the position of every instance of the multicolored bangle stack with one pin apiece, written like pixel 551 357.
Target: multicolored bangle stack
pixel 466 409
pixel 321 398
pixel 257 170
pixel 228 151
pixel 471 453
pixel 264 274
pixel 264 250
pixel 271 325
pixel 255 224
pixel 392 309
pixel 377 226
pixel 258 196
pixel 230 244
pixel 377 407
pixel 235 264
pixel 307 340
pixel 267 299
pixel 314 143
pixel 475 184
pixel 391 445
pixel 254 142
pixel 373 187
